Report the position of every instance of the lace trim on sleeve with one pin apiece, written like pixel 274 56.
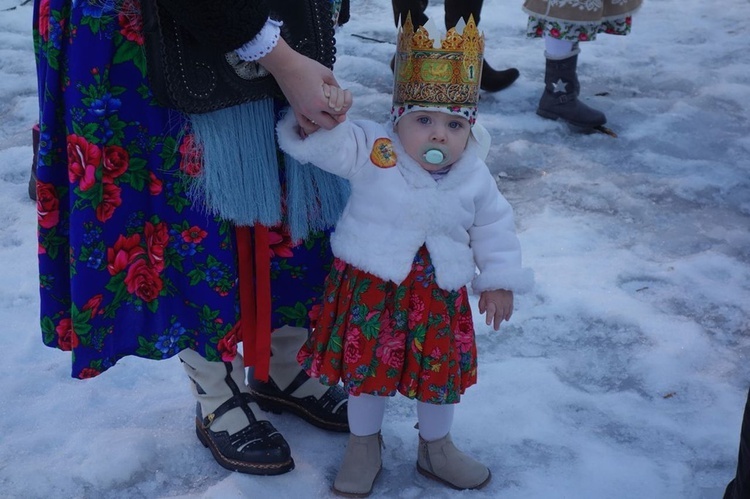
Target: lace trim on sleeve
pixel 263 43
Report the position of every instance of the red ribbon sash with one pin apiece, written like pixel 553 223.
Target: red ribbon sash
pixel 254 269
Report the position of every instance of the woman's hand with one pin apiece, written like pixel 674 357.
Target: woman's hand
pixel 338 99
pixel 301 80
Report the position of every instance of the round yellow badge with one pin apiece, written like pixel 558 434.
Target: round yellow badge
pixel 382 154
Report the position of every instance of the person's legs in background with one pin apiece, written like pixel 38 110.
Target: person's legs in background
pixel 739 487
pixel 403 7
pixel 492 79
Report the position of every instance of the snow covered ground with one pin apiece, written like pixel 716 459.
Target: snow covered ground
pixel 623 375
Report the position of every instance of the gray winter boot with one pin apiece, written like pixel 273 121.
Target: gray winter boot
pixel 360 466
pixel 226 420
pixel 442 461
pixel 289 388
pixel 560 97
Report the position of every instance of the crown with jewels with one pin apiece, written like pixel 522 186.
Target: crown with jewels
pixel 444 76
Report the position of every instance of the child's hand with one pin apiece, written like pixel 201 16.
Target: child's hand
pixel 498 304
pixel 339 100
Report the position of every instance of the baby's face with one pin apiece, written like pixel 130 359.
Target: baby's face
pixel 424 133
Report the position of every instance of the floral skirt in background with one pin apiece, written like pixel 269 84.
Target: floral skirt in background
pixel 579 20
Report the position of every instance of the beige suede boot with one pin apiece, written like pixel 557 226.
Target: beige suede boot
pixel 442 461
pixel 360 466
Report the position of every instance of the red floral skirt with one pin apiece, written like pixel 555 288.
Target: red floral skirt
pixel 379 337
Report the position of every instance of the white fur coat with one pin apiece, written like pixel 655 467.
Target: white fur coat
pixel 393 210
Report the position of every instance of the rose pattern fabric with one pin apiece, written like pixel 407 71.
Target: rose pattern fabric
pixel 576 32
pixel 127 265
pixel 379 338
pixel 579 20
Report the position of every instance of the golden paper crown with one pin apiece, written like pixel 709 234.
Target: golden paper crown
pixel 444 76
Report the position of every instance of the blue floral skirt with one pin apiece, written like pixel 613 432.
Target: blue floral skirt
pixel 127 265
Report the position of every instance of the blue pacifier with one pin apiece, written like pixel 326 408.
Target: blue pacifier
pixel 434 156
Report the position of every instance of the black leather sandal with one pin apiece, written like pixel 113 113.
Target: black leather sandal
pixel 327 412
pixel 257 449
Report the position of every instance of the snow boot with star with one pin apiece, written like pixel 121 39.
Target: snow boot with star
pixel 560 98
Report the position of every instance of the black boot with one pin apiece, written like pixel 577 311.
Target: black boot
pixel 290 389
pixel 739 487
pixel 494 80
pixel 560 97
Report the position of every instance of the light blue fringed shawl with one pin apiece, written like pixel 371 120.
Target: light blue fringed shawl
pixel 240 175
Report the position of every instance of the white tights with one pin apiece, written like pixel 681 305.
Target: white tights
pixel 555 48
pixel 366 417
